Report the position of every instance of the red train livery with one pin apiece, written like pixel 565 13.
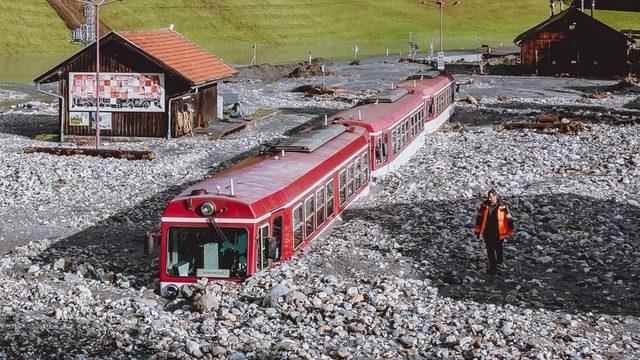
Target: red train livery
pixel 265 209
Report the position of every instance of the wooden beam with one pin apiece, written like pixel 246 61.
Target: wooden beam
pixel 104 153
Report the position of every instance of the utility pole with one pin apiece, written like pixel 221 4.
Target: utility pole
pixel 97 4
pixel 441 4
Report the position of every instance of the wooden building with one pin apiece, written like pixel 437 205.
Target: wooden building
pixel 152 84
pixel 574 43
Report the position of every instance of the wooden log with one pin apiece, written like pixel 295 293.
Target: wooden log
pixel 104 153
pixel 535 126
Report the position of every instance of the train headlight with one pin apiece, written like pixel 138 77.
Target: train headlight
pixel 207 209
pixel 171 291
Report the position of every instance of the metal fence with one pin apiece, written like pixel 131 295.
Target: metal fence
pixel 249 53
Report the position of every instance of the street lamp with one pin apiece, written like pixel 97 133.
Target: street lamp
pixel 97 4
pixel 441 4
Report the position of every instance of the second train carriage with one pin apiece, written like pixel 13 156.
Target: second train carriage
pixel 266 208
pixel 398 119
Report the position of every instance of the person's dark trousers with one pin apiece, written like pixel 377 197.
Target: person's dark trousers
pixel 494 254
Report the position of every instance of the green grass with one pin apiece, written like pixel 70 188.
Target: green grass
pixel 284 30
pixel 47 137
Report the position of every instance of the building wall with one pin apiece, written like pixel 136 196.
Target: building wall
pixel 576 54
pixel 119 57
pixel 204 105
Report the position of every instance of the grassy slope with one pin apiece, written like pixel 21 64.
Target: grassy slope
pixel 32 37
pixel 31 26
pixel 283 29
pixel 287 29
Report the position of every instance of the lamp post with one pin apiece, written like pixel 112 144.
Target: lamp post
pixel 441 4
pixel 97 4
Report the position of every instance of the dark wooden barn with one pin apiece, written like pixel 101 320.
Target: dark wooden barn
pixel 574 43
pixel 152 84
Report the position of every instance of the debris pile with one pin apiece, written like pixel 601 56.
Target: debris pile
pixel 314 90
pixel 473 100
pixel 309 70
pixel 549 123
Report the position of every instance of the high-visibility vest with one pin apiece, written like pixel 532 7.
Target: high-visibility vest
pixel 505 223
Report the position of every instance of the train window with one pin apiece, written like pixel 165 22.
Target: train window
pixel 276 239
pixel 361 173
pixel 365 162
pixel 381 151
pixel 320 206
pixel 262 247
pixel 411 125
pixel 395 141
pixel 343 187
pixel 358 173
pixel 207 251
pixel 329 198
pixel 414 125
pixel 351 180
pixel 298 228
pixel 309 213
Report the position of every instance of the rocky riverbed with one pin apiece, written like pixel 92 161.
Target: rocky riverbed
pixel 400 277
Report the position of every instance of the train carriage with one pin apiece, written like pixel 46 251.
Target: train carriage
pixel 263 210
pixel 398 119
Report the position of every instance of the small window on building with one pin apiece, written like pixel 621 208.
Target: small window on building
pixel 298 226
pixel 320 206
pixel 342 183
pixel 329 188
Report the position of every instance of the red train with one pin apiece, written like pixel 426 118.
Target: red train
pixel 265 209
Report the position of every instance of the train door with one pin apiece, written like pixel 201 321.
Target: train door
pixel 380 150
pixel 262 247
pixel 276 243
pixel 428 104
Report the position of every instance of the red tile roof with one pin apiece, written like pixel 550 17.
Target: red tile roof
pixel 176 52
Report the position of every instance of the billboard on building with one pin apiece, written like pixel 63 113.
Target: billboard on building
pixel 119 92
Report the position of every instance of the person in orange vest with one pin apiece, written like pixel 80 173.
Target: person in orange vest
pixel 495 224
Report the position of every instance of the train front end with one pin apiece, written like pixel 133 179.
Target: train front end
pixel 204 236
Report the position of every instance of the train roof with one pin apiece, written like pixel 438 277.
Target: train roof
pixel 381 116
pixel 429 85
pixel 385 114
pixel 267 182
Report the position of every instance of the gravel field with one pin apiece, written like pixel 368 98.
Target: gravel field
pixel 400 277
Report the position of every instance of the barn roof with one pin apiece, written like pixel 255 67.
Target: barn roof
pixel 562 21
pixel 167 48
pixel 180 54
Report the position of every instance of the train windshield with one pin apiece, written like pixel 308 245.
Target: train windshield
pixel 207 252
